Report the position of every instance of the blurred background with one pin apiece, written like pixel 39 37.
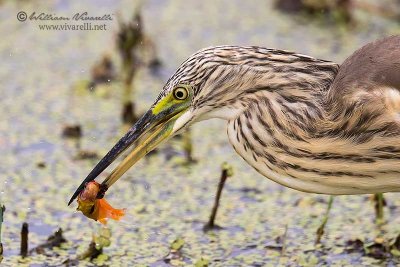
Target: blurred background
pixel 66 96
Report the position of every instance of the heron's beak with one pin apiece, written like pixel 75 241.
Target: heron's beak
pixel 148 132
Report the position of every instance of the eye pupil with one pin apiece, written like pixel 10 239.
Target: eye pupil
pixel 180 93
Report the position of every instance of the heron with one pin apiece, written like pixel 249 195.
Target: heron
pixel 306 123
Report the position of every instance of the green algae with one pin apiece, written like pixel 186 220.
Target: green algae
pixel 164 200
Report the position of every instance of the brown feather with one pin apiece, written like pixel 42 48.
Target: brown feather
pixel 376 64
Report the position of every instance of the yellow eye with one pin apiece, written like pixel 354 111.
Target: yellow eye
pixel 181 93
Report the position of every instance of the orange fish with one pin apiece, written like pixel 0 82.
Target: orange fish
pixel 94 208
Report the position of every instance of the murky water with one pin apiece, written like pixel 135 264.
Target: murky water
pixel 164 200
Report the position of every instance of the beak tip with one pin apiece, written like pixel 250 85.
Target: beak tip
pixel 72 199
pixel 77 192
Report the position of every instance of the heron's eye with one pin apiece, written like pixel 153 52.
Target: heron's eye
pixel 181 93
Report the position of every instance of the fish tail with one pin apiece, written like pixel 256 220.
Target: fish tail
pixel 107 211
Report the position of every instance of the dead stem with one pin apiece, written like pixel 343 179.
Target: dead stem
pixel 379 204
pixel 188 146
pixel 321 228
pixel 226 172
pixel 2 210
pixel 24 240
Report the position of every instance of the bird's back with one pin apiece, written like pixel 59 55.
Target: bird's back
pixel 373 66
pixel 354 149
pixel 363 101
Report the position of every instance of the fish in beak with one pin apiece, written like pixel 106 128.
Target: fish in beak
pixel 157 125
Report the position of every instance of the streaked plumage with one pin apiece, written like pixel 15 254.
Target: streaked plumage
pixel 303 122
